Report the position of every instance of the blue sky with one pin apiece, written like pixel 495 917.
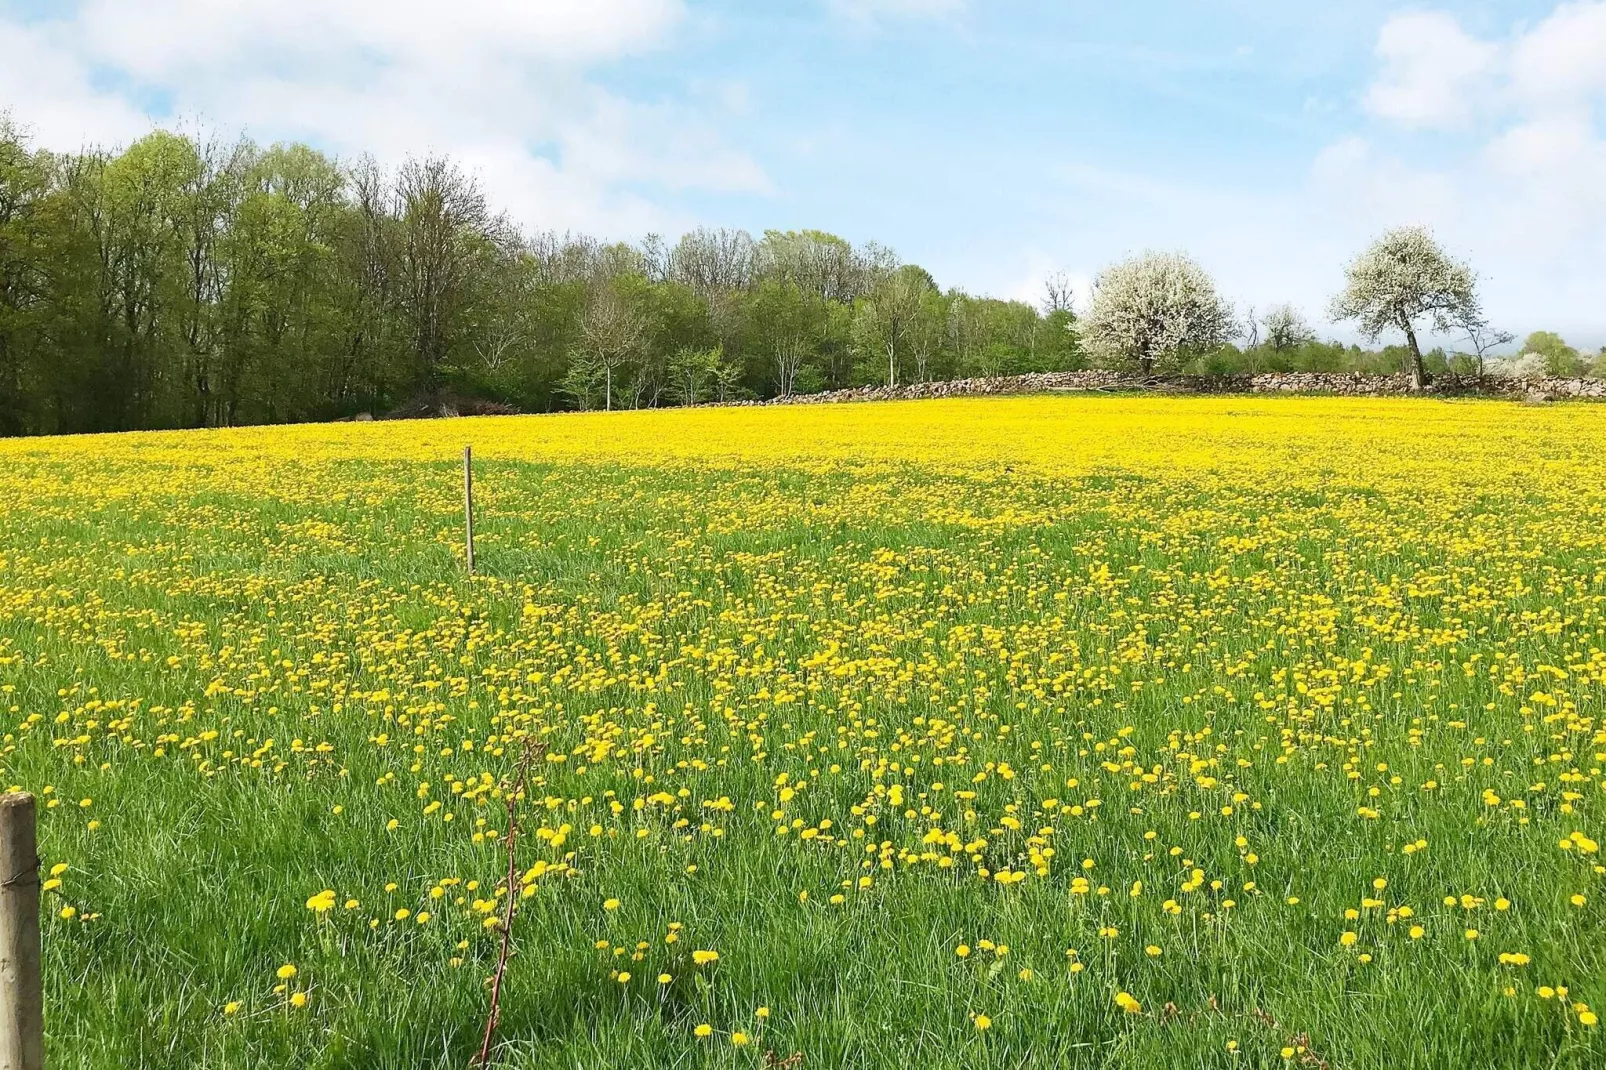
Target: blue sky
pixel 992 142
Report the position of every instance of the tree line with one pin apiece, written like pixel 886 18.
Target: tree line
pixel 185 282
pixel 1162 312
pixel 188 283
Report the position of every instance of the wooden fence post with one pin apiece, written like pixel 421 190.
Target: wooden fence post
pixel 22 1000
pixel 468 509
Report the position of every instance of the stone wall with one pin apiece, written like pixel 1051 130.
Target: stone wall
pixel 1353 385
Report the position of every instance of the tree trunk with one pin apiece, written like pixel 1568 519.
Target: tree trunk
pixel 1419 375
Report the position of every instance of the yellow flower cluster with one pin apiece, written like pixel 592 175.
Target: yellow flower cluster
pixel 1312 684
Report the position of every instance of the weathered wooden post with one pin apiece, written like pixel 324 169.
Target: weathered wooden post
pixel 468 509
pixel 22 998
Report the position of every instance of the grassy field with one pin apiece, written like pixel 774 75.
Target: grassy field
pixel 1061 732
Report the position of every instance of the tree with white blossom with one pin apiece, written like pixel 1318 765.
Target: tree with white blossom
pixel 1406 280
pixel 1286 328
pixel 1153 311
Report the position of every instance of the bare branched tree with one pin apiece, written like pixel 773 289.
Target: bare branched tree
pixel 823 264
pixel 1251 329
pixel 1059 293
pixel 789 352
pixel 446 227
pixel 611 334
pixel 1484 339
pixel 562 258
pixel 713 261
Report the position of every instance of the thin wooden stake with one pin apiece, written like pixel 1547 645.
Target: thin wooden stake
pixel 22 999
pixel 468 504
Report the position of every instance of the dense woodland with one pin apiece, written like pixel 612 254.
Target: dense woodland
pixel 188 283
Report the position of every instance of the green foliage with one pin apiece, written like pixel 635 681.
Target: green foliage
pixel 1559 358
pixel 584 383
pixel 181 284
pixel 694 374
pixel 986 336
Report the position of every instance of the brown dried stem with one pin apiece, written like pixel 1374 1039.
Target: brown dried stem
pixel 515 792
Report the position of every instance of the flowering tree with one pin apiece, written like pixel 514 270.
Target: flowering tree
pixel 1151 311
pixel 1286 328
pixel 1405 278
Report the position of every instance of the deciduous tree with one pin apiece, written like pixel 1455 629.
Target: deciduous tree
pixel 447 235
pixel 1403 281
pixel 612 331
pixel 1285 328
pixel 1151 311
pixel 1483 339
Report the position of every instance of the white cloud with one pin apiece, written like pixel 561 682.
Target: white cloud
pixel 1366 187
pixel 1432 71
pixel 1550 178
pixel 1549 145
pixel 1520 185
pixel 156 38
pixel 50 92
pixel 1562 61
pixel 503 86
pixel 871 9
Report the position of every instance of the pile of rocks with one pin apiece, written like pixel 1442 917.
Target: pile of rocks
pixel 1550 388
pixel 1338 383
pixel 1036 383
